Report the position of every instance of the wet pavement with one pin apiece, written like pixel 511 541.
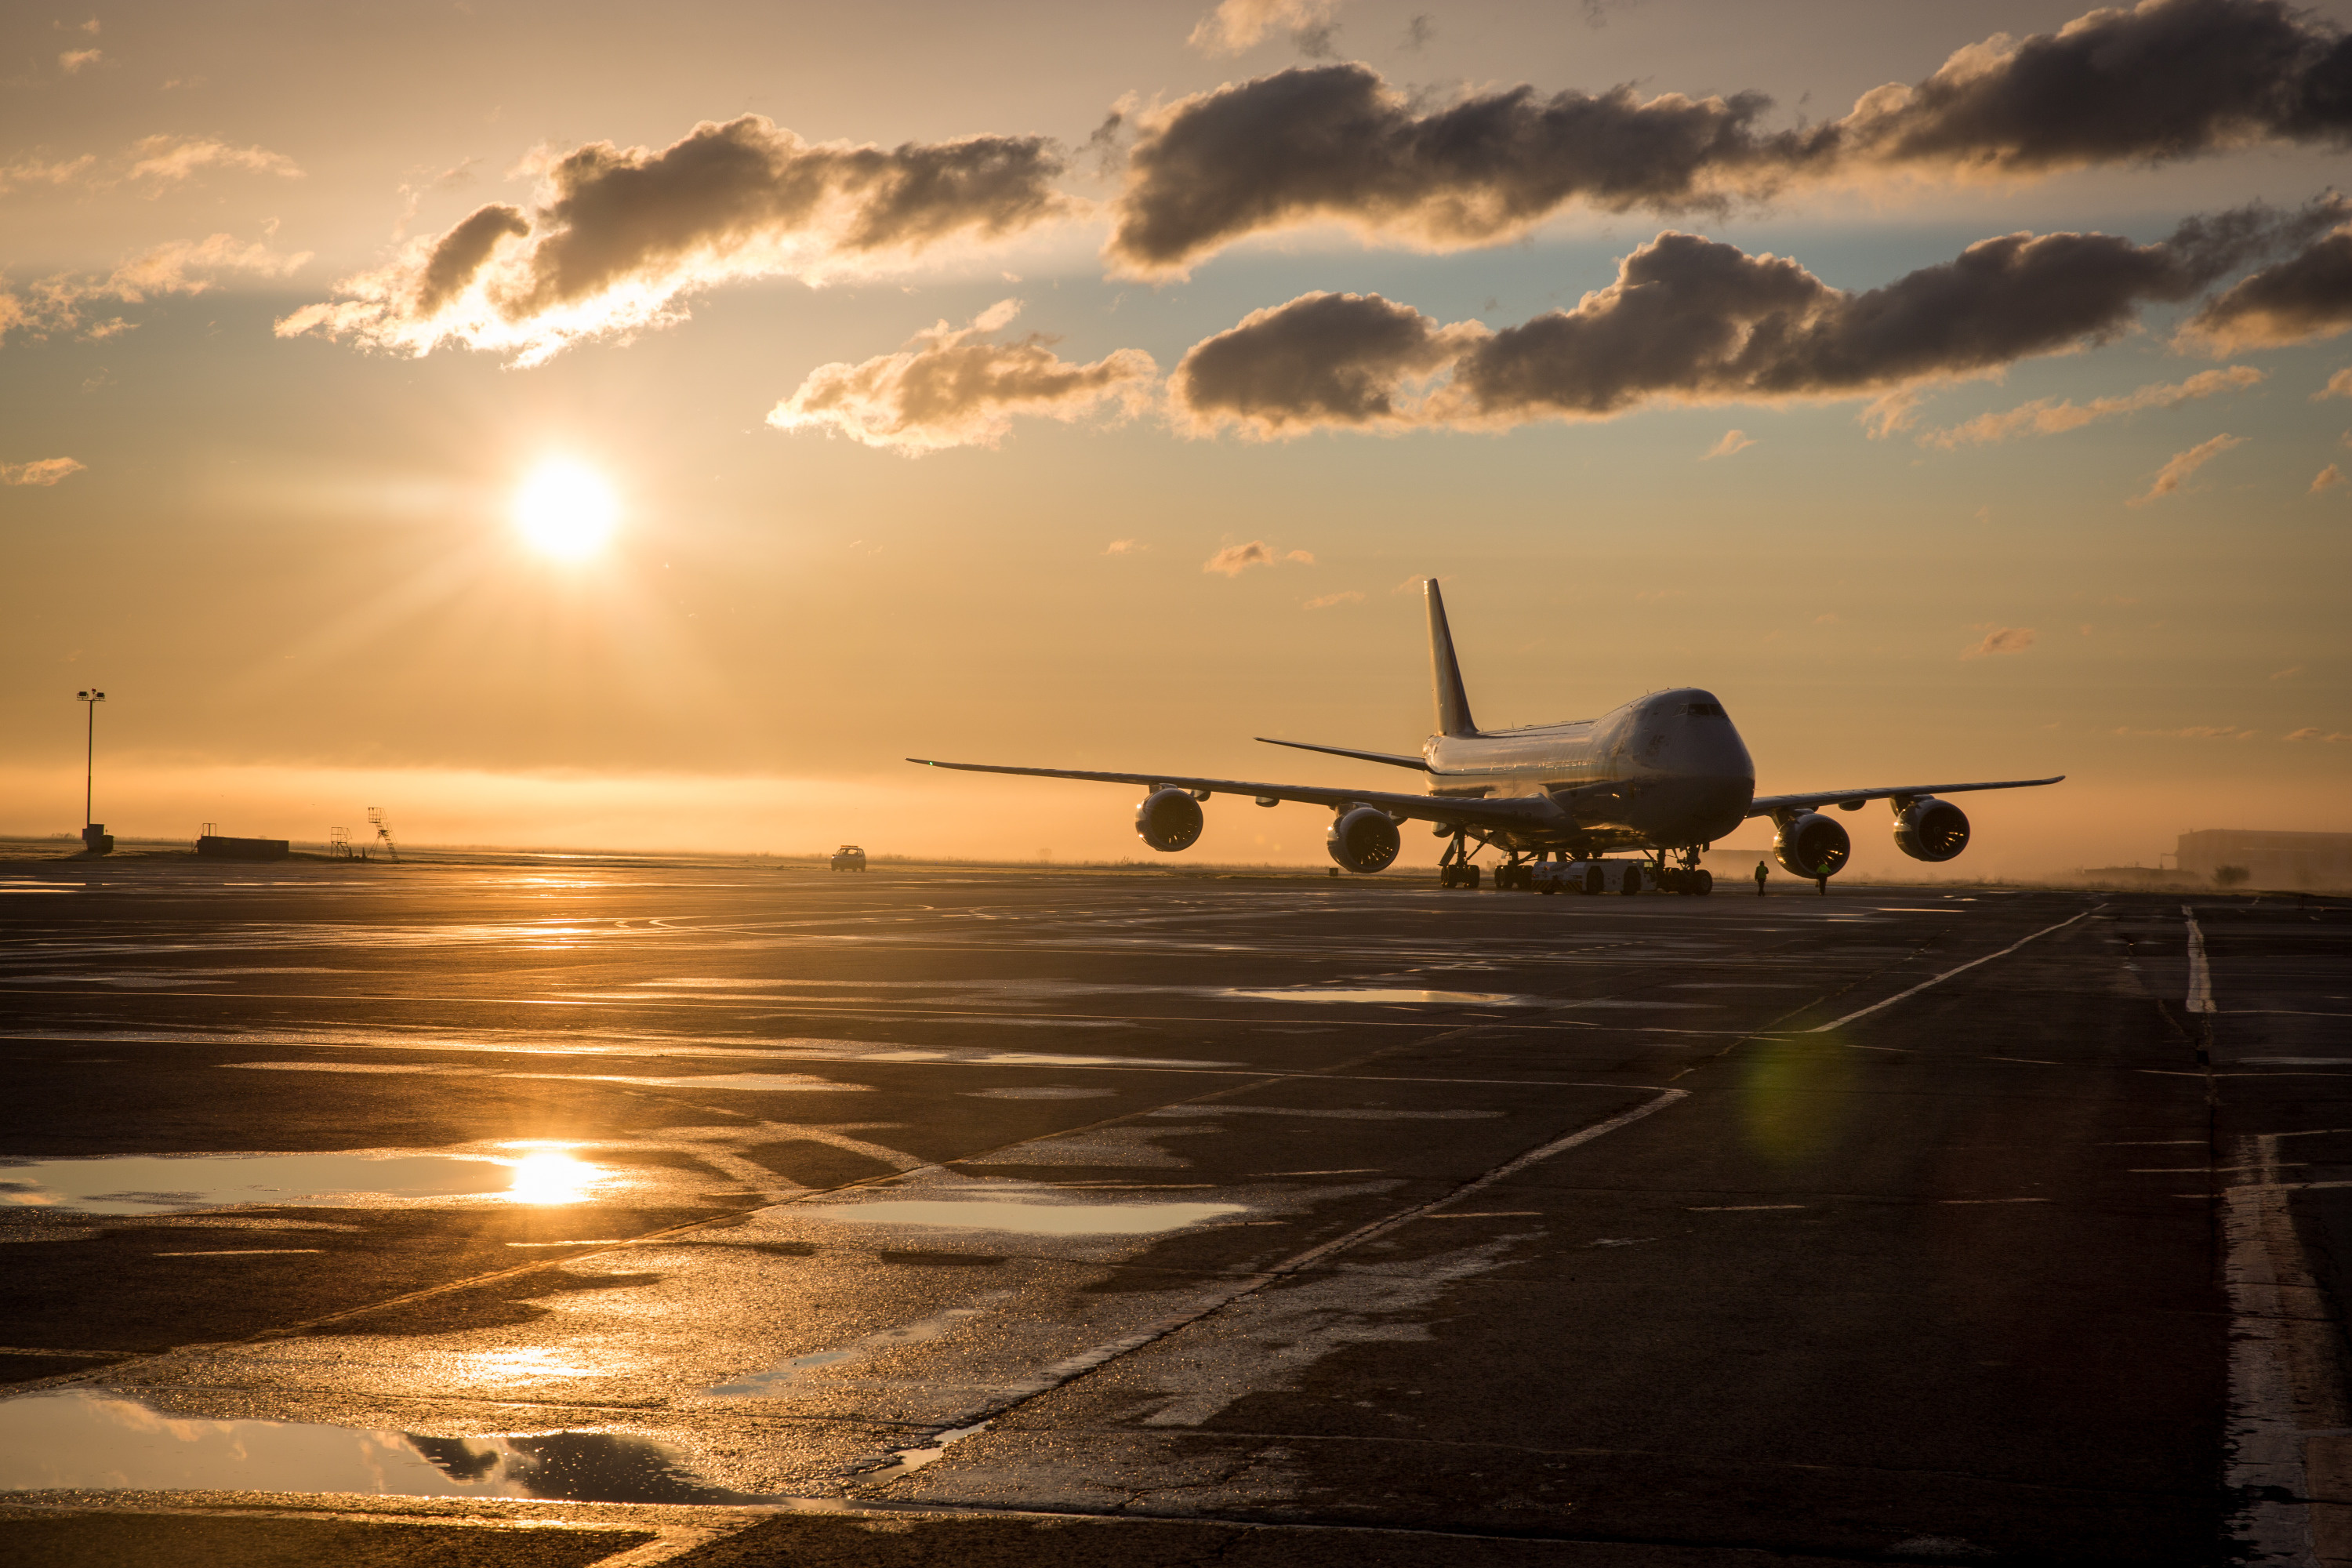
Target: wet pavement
pixel 742 1212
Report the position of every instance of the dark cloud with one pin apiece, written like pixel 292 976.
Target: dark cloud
pixel 2167 80
pixel 1695 319
pixel 2307 296
pixel 458 255
pixel 622 233
pixel 1322 359
pixel 954 388
pixel 1335 143
pixel 1692 320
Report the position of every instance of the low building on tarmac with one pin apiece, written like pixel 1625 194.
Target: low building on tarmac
pixel 214 847
pixel 2284 861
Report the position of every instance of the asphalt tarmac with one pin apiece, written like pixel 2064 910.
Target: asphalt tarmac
pixel 580 1211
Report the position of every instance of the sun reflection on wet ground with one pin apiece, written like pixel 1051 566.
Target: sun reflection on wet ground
pixel 165 1184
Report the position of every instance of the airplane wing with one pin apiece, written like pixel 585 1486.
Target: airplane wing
pixel 1521 812
pixel 1768 805
pixel 1391 758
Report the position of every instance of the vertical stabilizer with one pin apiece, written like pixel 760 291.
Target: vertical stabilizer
pixel 1445 674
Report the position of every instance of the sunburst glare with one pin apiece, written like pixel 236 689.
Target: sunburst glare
pixel 566 510
pixel 552 1177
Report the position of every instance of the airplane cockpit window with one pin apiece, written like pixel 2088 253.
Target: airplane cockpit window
pixel 1706 711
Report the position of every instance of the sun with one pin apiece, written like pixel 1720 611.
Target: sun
pixel 566 510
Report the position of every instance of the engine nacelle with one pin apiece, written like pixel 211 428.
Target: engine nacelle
pixel 1363 840
pixel 1931 829
pixel 1811 845
pixel 1169 820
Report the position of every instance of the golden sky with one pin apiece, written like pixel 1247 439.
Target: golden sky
pixel 1956 392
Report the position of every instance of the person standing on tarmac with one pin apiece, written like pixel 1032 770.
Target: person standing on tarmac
pixel 1760 875
pixel 1823 882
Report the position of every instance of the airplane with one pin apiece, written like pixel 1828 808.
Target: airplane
pixel 1664 775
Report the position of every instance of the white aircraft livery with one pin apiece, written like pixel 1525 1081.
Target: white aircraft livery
pixel 1664 775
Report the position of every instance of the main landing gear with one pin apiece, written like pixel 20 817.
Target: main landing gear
pixel 1453 868
pixel 1680 872
pixel 1666 871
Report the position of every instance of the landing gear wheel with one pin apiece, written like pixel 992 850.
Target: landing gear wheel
pixel 1703 883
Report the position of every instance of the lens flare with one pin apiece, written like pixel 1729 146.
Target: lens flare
pixel 566 510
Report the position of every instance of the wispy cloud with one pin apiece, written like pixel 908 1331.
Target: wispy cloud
pixel 1239 24
pixel 62 303
pixel 1125 547
pixel 2192 732
pixel 1236 559
pixel 2290 670
pixel 620 236
pixel 2330 478
pixel 46 471
pixel 2001 640
pixel 165 161
pixel 1733 441
pixel 73 62
pixel 161 163
pixel 956 388
pixel 33 171
pixel 2051 416
pixel 1325 601
pixel 2339 386
pixel 2311 732
pixel 2177 469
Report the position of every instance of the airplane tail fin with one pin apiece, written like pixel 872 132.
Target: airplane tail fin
pixel 1453 703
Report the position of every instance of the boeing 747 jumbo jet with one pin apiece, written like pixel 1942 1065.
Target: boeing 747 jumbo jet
pixel 1663 776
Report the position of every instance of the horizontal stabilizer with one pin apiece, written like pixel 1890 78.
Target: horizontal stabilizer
pixel 1391 758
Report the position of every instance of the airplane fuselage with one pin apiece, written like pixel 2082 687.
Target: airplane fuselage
pixel 1664 771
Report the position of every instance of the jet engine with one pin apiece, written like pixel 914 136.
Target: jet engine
pixel 1811 845
pixel 1168 820
pixel 1363 840
pixel 1931 829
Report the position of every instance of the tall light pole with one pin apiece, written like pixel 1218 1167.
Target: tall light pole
pixel 91 699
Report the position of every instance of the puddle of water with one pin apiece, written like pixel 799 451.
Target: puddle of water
pixel 521 1042
pixel 750 1082
pixel 156 1184
pixel 1027 1219
pixel 155 979
pixel 345 1066
pixel 1043 1091
pixel 80 1440
pixel 1392 995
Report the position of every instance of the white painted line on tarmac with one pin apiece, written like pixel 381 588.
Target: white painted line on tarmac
pixel 2278 1398
pixel 2201 974
pixel 1938 980
pixel 1744 1208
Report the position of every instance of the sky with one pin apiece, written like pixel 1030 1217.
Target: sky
pixel 592 427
